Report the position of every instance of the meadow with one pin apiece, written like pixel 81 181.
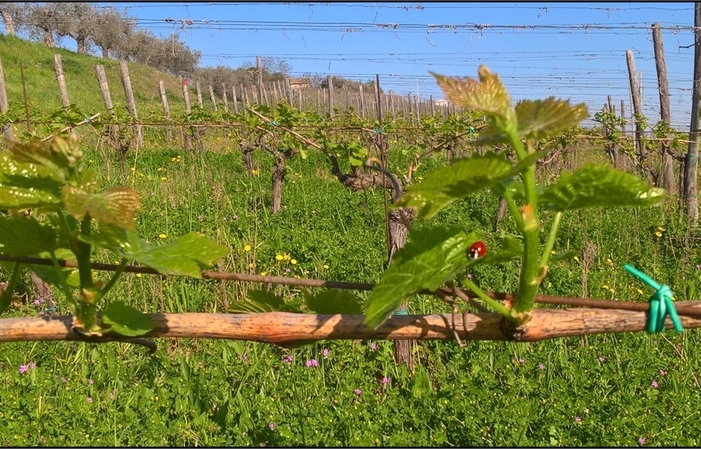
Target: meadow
pixel 615 389
pixel 618 389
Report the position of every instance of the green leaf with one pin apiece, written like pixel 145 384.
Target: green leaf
pixel 303 153
pixel 487 94
pixel 116 206
pixel 464 177
pixel 25 236
pixel 599 186
pixel 108 236
pixel 185 256
pixel 332 302
pixel 24 185
pixel 563 255
pixel 432 257
pixel 542 118
pixel 261 301
pixel 126 320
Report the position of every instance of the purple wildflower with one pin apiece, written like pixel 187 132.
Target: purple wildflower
pixel 37 302
pixel 90 382
pixel 641 440
pixel 64 380
pixel 32 365
pixel 577 419
pixel 312 362
pixel 601 359
pixel 358 391
pixel 654 384
pixel 541 367
pixel 89 400
pixel 373 346
pixel 23 368
pixel 271 426
pixel 325 352
pixel 288 359
pixel 521 361
pixel 663 372
pixel 385 381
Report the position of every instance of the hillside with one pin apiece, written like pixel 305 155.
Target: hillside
pixel 81 80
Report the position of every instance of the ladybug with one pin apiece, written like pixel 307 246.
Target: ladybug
pixel 477 250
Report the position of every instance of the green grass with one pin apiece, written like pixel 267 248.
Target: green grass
pixel 595 390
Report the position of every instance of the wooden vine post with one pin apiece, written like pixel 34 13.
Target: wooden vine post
pixel 4 105
pixel 166 108
pixel 61 79
pixel 131 104
pixel 637 107
pixel 329 87
pixel 691 163
pixel 666 178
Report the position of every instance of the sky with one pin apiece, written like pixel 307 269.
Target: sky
pixel 572 51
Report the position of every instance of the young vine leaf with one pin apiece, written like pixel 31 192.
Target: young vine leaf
pixel 126 320
pixel 542 118
pixel 599 186
pixel 464 177
pixel 330 302
pixel 432 257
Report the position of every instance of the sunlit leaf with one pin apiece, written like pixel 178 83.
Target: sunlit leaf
pixel 487 94
pixel 432 257
pixel 599 186
pixel 464 177
pixel 186 256
pixel 25 236
pixel 542 118
pixel 126 320
pixel 117 205
pixel 333 302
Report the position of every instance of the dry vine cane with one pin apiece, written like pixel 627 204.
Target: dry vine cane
pixel 437 255
pixel 76 216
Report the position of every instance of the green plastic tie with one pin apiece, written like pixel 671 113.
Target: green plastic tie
pixel 661 303
pixel 401 312
pixel 379 129
pixel 274 123
pixel 470 132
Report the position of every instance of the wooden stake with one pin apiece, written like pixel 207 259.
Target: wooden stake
pixel 329 85
pixel 666 178
pixel 4 105
pixel 637 106
pixel 166 108
pixel 61 79
pixel 131 105
pixel 691 163
pixel 212 98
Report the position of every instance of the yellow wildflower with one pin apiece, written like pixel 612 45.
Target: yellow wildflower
pixel 263 273
pixel 246 248
pixel 138 275
pixel 164 178
pixel 325 267
pixel 251 265
pixel 293 261
pixel 279 257
pixel 162 236
pixel 605 287
pixel 576 258
pixel 640 291
pixel 287 256
pixel 661 229
pixel 658 234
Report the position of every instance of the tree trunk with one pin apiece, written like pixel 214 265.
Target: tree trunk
pixel 9 22
pixel 82 46
pixel 397 239
pixel 49 39
pixel 279 172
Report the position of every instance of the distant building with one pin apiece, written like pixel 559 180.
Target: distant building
pixel 300 83
pixel 441 102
